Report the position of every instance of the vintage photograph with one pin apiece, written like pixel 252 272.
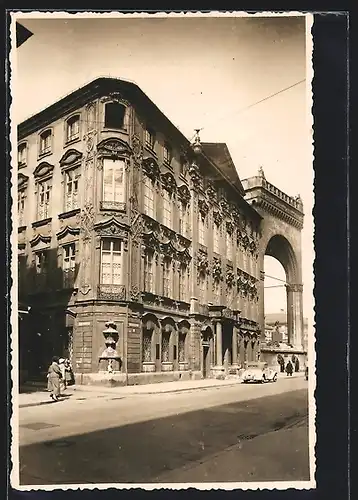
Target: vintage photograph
pixel 162 300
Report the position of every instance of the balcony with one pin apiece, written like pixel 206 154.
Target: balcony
pixel 111 292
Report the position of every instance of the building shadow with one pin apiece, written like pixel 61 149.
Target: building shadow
pixel 45 319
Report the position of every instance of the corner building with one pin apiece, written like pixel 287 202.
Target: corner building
pixel 120 221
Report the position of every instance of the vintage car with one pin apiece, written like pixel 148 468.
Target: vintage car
pixel 259 372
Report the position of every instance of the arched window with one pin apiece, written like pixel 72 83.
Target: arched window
pixel 147 345
pixel 114 114
pixel 165 346
pixel 73 128
pixel 45 142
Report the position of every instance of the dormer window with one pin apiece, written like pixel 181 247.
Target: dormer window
pixel 167 153
pixel 114 114
pixel 150 138
pixel 22 155
pixel 73 128
pixel 45 142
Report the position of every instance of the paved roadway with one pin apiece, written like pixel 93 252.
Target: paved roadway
pixel 233 433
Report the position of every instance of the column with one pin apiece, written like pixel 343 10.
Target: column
pixel 234 345
pixel 261 305
pixel 295 314
pixel 289 294
pixel 219 346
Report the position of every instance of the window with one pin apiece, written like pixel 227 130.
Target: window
pixel 22 155
pixel 71 187
pixel 148 272
pixel 216 235
pixel 113 180
pixel 147 346
pixel 201 232
pixel 166 278
pixel 202 288
pixel 44 199
pixel 73 128
pixel 181 348
pixel 21 196
pixel 150 138
pixel 167 209
pixel 167 153
pixel 111 262
pixel 182 164
pixel 41 260
pixel 228 246
pixel 148 196
pixel 183 283
pixel 183 219
pixel 165 346
pixel 69 265
pixel 114 114
pixel 45 142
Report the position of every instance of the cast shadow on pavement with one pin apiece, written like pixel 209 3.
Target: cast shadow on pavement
pixel 141 452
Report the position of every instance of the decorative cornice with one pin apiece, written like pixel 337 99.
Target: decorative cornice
pixel 168 182
pixel 111 227
pixel 113 148
pixel 40 238
pixel 22 181
pixel 43 169
pixel 74 231
pixel 70 157
pixel 183 194
pixel 151 168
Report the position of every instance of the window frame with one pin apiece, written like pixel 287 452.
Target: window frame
pixel 151 135
pixel 148 186
pixel 167 278
pixel 75 137
pixel 23 146
pixel 167 153
pixel 148 265
pixel 123 162
pixel 77 178
pixel 201 230
pixel 47 212
pixel 107 126
pixel 71 258
pixel 49 149
pixel 216 238
pixel 21 198
pixel 229 246
pixel 167 208
pixel 182 283
pixel 111 240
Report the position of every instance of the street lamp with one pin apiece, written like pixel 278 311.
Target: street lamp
pixel 196 145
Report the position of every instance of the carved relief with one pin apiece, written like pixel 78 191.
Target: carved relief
pixel 168 182
pixel 216 270
pixel 203 208
pixel 22 181
pixel 217 218
pixel 184 194
pixel 224 205
pixel 68 230
pixel 70 157
pixel 115 97
pixel 151 168
pixel 211 192
pixel 40 238
pixel 195 175
pixel 137 149
pixel 43 169
pixel 229 227
pixel 114 148
pixel 202 262
pixel 87 220
pixel 230 279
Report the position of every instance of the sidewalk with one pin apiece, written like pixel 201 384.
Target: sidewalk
pixel 39 396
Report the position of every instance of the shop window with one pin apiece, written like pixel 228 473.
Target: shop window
pixel 147 346
pixel 165 347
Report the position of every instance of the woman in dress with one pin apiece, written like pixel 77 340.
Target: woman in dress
pixel 53 379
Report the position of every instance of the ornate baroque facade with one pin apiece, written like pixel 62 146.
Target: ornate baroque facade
pixel 120 222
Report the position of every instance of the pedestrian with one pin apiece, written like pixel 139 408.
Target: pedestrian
pixel 61 364
pixel 53 379
pixel 289 369
pixel 69 377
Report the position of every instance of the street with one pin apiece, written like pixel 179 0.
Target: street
pixel 233 433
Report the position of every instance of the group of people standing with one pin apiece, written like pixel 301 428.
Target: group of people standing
pixel 59 376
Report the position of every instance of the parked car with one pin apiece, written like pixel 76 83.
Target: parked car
pixel 259 372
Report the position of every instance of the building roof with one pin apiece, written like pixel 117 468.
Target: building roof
pixel 219 152
pixel 216 153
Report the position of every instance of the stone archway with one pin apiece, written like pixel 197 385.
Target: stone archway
pixel 280 237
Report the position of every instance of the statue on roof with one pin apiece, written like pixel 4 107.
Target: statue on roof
pixel 261 172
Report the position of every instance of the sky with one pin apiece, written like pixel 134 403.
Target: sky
pixel 202 72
